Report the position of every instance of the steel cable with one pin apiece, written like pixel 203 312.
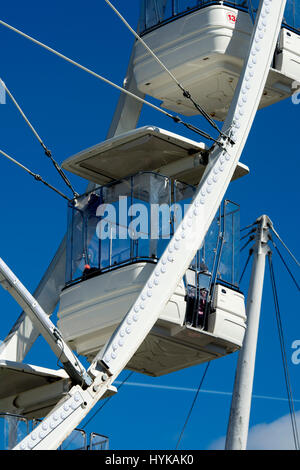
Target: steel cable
pixel 100 408
pixel 192 406
pixel 107 400
pixel 285 264
pixel 176 119
pixel 285 246
pixel 185 92
pixel 246 264
pixel 284 357
pixel 47 151
pixel 35 175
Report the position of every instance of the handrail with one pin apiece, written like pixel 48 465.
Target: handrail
pixel 88 437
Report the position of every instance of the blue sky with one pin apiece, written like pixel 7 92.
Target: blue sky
pixel 72 111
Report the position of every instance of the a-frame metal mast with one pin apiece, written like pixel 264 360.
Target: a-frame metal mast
pixel 238 425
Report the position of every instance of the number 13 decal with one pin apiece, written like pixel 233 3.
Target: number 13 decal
pixel 231 17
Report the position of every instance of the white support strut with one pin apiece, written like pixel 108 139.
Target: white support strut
pixel 44 325
pixel 237 433
pixel 184 244
pixel 23 334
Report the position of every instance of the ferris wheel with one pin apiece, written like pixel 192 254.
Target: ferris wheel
pixel 147 277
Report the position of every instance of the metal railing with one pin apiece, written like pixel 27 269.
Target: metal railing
pixel 155 13
pixel 14 428
pixel 162 203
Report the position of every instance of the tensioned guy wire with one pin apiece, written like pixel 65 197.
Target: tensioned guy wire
pixel 47 151
pixel 288 250
pixel 248 226
pixel 284 356
pixel 248 234
pixel 185 92
pixel 193 404
pixel 247 243
pixel 100 407
pixel 107 400
pixel 286 266
pixel 246 264
pixel 35 175
pixel 176 119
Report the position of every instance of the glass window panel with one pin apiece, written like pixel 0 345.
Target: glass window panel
pixel 139 218
pixel 229 262
pixel 153 12
pixel 183 195
pixel 135 218
pixel 77 244
pixel 288 17
pixel 114 244
pixel 297 15
pixel 90 230
pixel 184 5
pixel 13 430
pixel 77 440
pixel 98 442
pixel 208 250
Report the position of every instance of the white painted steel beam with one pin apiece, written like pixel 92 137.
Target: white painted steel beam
pixel 237 433
pixel 23 333
pixel 43 324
